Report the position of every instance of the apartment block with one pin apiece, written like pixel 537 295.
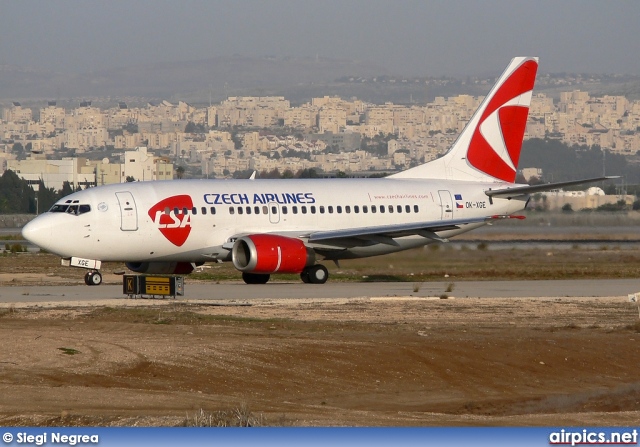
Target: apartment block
pixel 304 117
pixel 17 114
pixel 331 120
pixel 134 163
pixel 53 115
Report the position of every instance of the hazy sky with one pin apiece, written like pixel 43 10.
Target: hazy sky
pixel 407 37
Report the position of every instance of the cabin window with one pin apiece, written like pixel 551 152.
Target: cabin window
pixel 274 210
pixel 203 210
pixel 407 208
pixel 284 210
pixel 303 208
pixel 313 209
pixel 265 210
pixel 415 208
pixel 239 210
pixel 295 209
pixel 373 209
pixel 399 208
pixel 330 209
pixel 248 209
pixel 232 210
pixel 256 210
pixel 321 209
pixel 213 210
pixel 391 208
pixel 347 209
pixel 167 210
pixel 176 211
pixel 382 208
pixel 356 209
pixel 339 209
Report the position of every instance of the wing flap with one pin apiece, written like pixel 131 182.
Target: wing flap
pixel 386 234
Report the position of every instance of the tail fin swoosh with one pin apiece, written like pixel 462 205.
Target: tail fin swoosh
pixel 488 149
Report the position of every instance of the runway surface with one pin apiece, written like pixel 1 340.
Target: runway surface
pixel 243 292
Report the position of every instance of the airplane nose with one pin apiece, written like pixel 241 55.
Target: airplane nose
pixel 37 232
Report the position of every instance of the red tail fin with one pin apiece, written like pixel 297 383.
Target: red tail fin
pixel 489 146
pixel 497 138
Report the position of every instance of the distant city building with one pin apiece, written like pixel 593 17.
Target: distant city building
pixel 529 173
pixel 82 173
pixel 78 172
pixel 591 198
pixel 255 132
pixel 344 141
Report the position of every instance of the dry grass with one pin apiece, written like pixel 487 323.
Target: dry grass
pixel 237 417
pixel 635 327
pixel 474 262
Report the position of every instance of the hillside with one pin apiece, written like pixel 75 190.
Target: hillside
pixel 297 79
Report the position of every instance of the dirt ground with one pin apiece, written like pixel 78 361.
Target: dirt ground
pixel 356 362
pixel 349 362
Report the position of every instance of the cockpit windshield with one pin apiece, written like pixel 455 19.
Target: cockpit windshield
pixel 70 207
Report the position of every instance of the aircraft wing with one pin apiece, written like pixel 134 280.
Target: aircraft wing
pixel 385 234
pixel 508 193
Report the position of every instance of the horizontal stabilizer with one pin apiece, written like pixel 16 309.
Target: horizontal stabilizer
pixel 516 191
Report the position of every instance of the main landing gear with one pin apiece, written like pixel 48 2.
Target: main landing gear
pixel 93 278
pixel 316 274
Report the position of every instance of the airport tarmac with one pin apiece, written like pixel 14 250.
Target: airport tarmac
pixel 335 290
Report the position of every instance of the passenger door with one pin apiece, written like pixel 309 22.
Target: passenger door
pixel 446 203
pixel 128 211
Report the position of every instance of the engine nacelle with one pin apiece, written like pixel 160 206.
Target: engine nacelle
pixel 269 253
pixel 165 268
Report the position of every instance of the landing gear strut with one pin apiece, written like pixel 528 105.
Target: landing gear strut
pixel 316 274
pixel 93 278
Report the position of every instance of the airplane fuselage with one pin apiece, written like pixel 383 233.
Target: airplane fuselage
pixel 196 220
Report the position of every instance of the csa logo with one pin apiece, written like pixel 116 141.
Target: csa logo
pixel 174 226
pixel 497 140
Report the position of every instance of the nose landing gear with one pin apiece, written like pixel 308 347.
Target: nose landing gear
pixel 93 278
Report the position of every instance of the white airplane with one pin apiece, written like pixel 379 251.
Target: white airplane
pixel 286 226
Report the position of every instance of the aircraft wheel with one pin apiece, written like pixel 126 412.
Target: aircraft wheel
pixel 318 274
pixel 304 276
pixel 93 278
pixel 255 278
